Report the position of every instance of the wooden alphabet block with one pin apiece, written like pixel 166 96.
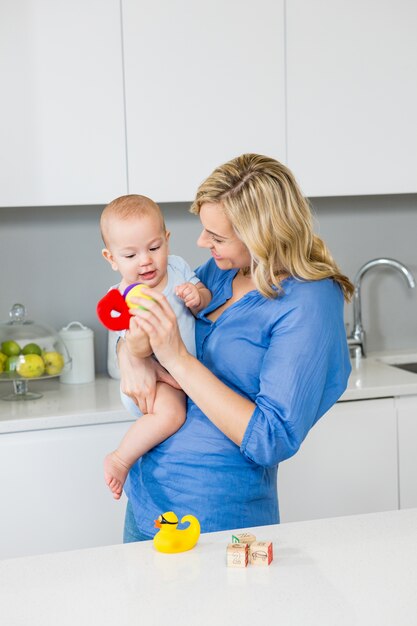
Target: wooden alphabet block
pixel 261 553
pixel 237 555
pixel 243 538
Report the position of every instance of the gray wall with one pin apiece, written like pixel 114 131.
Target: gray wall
pixel 50 260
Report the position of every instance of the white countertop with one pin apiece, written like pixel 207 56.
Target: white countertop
pixel 64 405
pixel 373 377
pixel 347 571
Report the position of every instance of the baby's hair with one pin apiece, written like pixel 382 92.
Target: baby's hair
pixel 126 207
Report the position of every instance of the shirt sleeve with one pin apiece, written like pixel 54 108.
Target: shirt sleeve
pixel 304 372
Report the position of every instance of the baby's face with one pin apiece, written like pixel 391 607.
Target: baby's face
pixel 138 249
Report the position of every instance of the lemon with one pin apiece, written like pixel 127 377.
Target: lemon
pixel 3 359
pixel 10 348
pixel 30 366
pixel 32 348
pixel 54 363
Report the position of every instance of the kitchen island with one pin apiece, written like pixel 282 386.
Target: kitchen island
pixel 346 571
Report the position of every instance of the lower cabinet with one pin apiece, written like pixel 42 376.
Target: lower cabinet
pixel 359 458
pixel 407 450
pixel 346 465
pixel 54 497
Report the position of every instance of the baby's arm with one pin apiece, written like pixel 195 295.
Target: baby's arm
pixel 147 432
pixel 195 297
pixel 139 339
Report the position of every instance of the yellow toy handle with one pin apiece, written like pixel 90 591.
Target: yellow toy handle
pixel 135 292
pixel 192 520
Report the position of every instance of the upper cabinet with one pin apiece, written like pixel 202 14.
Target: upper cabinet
pixel 352 96
pixel 62 111
pixel 105 97
pixel 204 83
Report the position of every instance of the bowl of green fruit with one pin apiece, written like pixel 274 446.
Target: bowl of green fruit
pixel 29 351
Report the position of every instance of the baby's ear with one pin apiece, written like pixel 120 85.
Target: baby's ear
pixel 109 257
pixel 167 234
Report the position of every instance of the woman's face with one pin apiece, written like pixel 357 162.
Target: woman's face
pixel 228 251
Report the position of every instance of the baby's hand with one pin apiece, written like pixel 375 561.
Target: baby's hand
pixel 189 294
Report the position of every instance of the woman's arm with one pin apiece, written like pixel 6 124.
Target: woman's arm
pixel 304 371
pixel 228 410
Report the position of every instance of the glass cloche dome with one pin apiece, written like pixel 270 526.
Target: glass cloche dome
pixel 29 351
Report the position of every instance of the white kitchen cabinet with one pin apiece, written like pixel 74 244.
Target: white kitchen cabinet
pixel 407 450
pixel 346 465
pixel 54 497
pixel 62 111
pixel 204 83
pixel 352 96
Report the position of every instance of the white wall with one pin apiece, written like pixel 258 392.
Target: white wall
pixel 358 229
pixel 50 260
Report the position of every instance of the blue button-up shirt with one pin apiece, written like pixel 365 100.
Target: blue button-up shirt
pixel 289 356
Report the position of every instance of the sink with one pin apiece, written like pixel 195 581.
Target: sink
pixel 406 362
pixel 408 367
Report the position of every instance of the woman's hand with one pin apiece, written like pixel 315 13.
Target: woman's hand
pixel 159 322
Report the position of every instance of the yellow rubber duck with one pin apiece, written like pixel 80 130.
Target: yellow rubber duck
pixel 169 539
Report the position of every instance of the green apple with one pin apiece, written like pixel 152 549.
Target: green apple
pixel 54 363
pixel 10 348
pixel 30 366
pixel 3 359
pixel 11 364
pixel 32 348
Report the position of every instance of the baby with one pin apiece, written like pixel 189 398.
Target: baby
pixel 136 245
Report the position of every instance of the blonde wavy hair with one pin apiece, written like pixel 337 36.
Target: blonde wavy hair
pixel 262 200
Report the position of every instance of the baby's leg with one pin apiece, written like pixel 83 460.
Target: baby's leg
pixel 149 430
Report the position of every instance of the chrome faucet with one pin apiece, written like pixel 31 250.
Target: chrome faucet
pixel 357 340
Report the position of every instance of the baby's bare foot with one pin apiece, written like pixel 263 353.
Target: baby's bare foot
pixel 115 473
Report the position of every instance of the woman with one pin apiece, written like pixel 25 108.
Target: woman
pixel 271 347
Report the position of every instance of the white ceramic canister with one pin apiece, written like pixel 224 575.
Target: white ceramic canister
pixel 79 341
pixel 112 365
